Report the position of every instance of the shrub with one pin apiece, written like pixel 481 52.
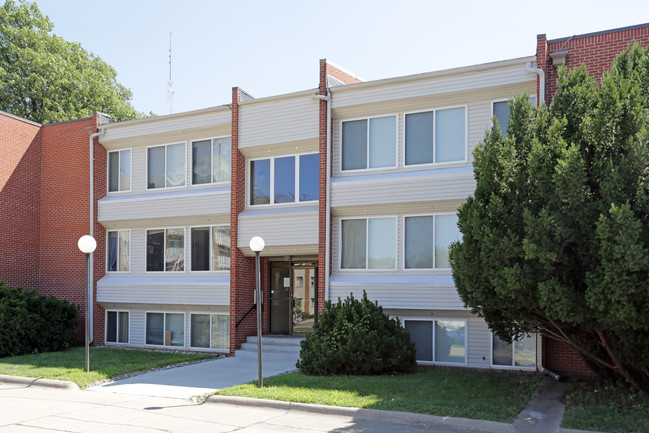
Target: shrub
pixel 356 338
pixel 30 322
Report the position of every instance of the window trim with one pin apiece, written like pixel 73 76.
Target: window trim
pixel 106 327
pixel 272 203
pixel 210 226
pixel 130 250
pixel 191 162
pixel 210 313
pixel 438 164
pixel 403 251
pixel 164 271
pixel 493 101
pixel 367 151
pixel 119 191
pixel 164 326
pixel 443 319
pixel 513 366
pixel 146 167
pixel 367 240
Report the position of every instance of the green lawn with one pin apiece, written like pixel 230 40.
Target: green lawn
pixel 105 363
pixel 445 392
pixel 606 408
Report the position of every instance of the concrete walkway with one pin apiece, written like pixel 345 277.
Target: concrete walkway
pixel 544 411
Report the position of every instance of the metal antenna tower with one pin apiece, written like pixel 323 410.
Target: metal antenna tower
pixel 170 89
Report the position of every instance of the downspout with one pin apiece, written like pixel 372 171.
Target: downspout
pixel 541 74
pixel 100 133
pixel 539 359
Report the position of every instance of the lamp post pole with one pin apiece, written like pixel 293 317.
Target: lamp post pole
pixel 87 245
pixel 257 244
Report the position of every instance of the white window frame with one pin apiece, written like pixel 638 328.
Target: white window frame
pixel 146 247
pixel 117 324
pixel 272 159
pixel 434 163
pixel 164 326
pixel 146 167
pixel 191 162
pixel 130 175
pixel 494 101
pixel 513 366
pixel 433 322
pixel 367 240
pixel 129 250
pixel 211 348
pixel 367 151
pixel 189 255
pixel 403 258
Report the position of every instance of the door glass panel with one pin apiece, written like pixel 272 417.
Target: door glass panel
pixel 154 328
pixel 200 335
pixel 280 300
pixel 450 341
pixel 421 333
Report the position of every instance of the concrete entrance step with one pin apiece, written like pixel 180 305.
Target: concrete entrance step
pixel 289 345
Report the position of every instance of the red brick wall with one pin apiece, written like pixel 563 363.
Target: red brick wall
pixel 20 143
pixel 562 359
pixel 338 74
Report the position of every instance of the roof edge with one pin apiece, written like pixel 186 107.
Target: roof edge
pixel 22 119
pixel 602 32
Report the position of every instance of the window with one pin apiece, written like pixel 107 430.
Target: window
pixel 210 248
pixel 211 161
pixel 117 326
pixel 119 170
pixel 427 239
pixel 517 354
pixel 165 329
pixel 165 250
pixel 501 112
pixel 119 250
pixel 436 136
pixel 369 143
pixel 210 331
pixel 438 340
pixel 368 243
pixel 286 179
pixel 166 166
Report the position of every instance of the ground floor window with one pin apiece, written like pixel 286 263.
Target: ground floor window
pixel 165 329
pixel 210 331
pixel 439 340
pixel 117 326
pixel 517 354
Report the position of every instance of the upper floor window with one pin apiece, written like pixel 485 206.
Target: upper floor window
pixel 501 112
pixel 211 161
pixel 118 250
pixel 210 248
pixel 287 179
pixel 166 166
pixel 427 239
pixel 369 143
pixel 119 170
pixel 368 243
pixel 436 136
pixel 165 250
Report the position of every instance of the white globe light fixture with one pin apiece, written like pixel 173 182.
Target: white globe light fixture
pixel 87 244
pixel 257 244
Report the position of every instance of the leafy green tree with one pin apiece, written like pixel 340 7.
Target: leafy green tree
pixel 47 79
pixel 556 237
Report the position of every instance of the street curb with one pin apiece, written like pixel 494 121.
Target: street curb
pixel 463 424
pixel 33 381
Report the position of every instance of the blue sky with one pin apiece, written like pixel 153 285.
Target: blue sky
pixel 273 46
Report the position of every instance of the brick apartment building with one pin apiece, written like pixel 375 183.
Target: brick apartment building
pixel 353 185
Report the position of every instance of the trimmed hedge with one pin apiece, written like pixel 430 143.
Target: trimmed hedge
pixel 31 323
pixel 356 338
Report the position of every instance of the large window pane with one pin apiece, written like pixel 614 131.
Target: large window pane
pixel 354 148
pixel 354 241
pixel 156 167
pixel 421 333
pixel 201 162
pixel 450 342
pixel 383 140
pixel 201 249
pixel 221 248
pixel 525 352
pixel 446 232
pixel 419 138
pixel 112 251
pixel 501 111
pixel 124 250
pixel 381 243
pixel 502 352
pixel 175 250
pixel 285 179
pixel 220 331
pixel 122 328
pixel 309 171
pixel 155 328
pixel 174 324
pixel 176 165
pixel 155 250
pixel 111 326
pixel 113 171
pixel 222 156
pixel 450 134
pixel 260 181
pixel 124 170
pixel 200 334
pixel 419 242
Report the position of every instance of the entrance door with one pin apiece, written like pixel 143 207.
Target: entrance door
pixel 280 298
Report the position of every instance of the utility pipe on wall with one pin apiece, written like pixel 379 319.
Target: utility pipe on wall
pixel 541 74
pixel 91 276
